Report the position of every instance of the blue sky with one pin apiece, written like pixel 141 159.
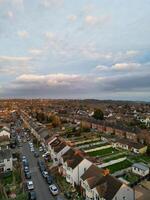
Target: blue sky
pixel 75 49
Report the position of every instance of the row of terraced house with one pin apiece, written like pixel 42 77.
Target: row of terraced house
pixel 79 170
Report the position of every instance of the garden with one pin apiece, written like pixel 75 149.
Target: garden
pixel 104 152
pixel 119 166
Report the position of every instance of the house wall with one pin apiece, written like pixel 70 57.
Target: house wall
pixel 7 165
pixel 4 133
pixel 124 193
pixel 139 171
pixel 143 150
pixel 80 169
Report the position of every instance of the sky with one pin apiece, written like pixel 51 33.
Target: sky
pixel 75 49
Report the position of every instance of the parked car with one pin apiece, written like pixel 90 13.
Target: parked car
pixel 25 163
pixel 28 175
pixel 30 185
pixel 53 189
pixel 26 169
pixel 32 149
pixel 45 174
pixel 32 195
pixel 36 154
pixel 40 149
pixel 49 179
pixel 24 158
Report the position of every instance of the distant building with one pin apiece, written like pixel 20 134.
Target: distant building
pixel 5 160
pixel 129 145
pixel 140 169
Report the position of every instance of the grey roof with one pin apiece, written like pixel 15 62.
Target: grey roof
pixel 5 154
pixel 140 166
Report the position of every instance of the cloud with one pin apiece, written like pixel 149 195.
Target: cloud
pixel 96 20
pixel 51 3
pixel 14 65
pixel 102 68
pixel 79 86
pixel 126 66
pixel 35 51
pixel 72 18
pixel 49 35
pixel 23 34
pixel 10 14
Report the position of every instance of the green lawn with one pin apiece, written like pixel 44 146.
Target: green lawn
pixel 119 166
pixel 140 158
pixel 103 152
pixel 130 177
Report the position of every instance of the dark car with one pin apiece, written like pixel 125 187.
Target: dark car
pixel 32 195
pixel 36 154
pixel 42 168
pixel 40 162
pixel 28 175
pixel 25 163
pixel 49 180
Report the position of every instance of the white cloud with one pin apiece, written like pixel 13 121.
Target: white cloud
pixel 50 3
pixel 126 66
pixel 10 14
pixel 14 58
pixel 35 51
pixel 96 20
pixel 72 18
pixel 14 65
pixel 23 34
pixel 50 35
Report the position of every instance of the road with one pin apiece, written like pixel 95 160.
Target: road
pixel 41 187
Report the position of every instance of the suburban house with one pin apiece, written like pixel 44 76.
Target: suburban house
pixel 57 148
pixel 140 169
pixel 5 132
pixel 6 163
pixel 73 166
pixel 129 145
pixel 97 184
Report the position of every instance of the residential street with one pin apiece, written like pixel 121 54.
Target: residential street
pixel 41 187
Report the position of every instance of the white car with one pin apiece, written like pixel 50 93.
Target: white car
pixel 40 149
pixel 53 189
pixel 32 149
pixel 30 185
pixel 46 154
pixel 45 174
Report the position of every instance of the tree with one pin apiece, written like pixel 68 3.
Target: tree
pixel 98 114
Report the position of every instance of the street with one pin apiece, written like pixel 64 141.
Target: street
pixel 41 187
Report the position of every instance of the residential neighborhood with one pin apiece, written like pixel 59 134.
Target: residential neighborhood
pixel 82 157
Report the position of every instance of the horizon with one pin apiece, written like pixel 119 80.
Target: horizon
pixel 65 49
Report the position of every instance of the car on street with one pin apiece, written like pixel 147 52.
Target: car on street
pixel 49 180
pixel 28 175
pixel 40 149
pixel 24 158
pixel 26 169
pixel 30 185
pixel 53 189
pixel 45 174
pixel 32 195
pixel 32 149
pixel 36 154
